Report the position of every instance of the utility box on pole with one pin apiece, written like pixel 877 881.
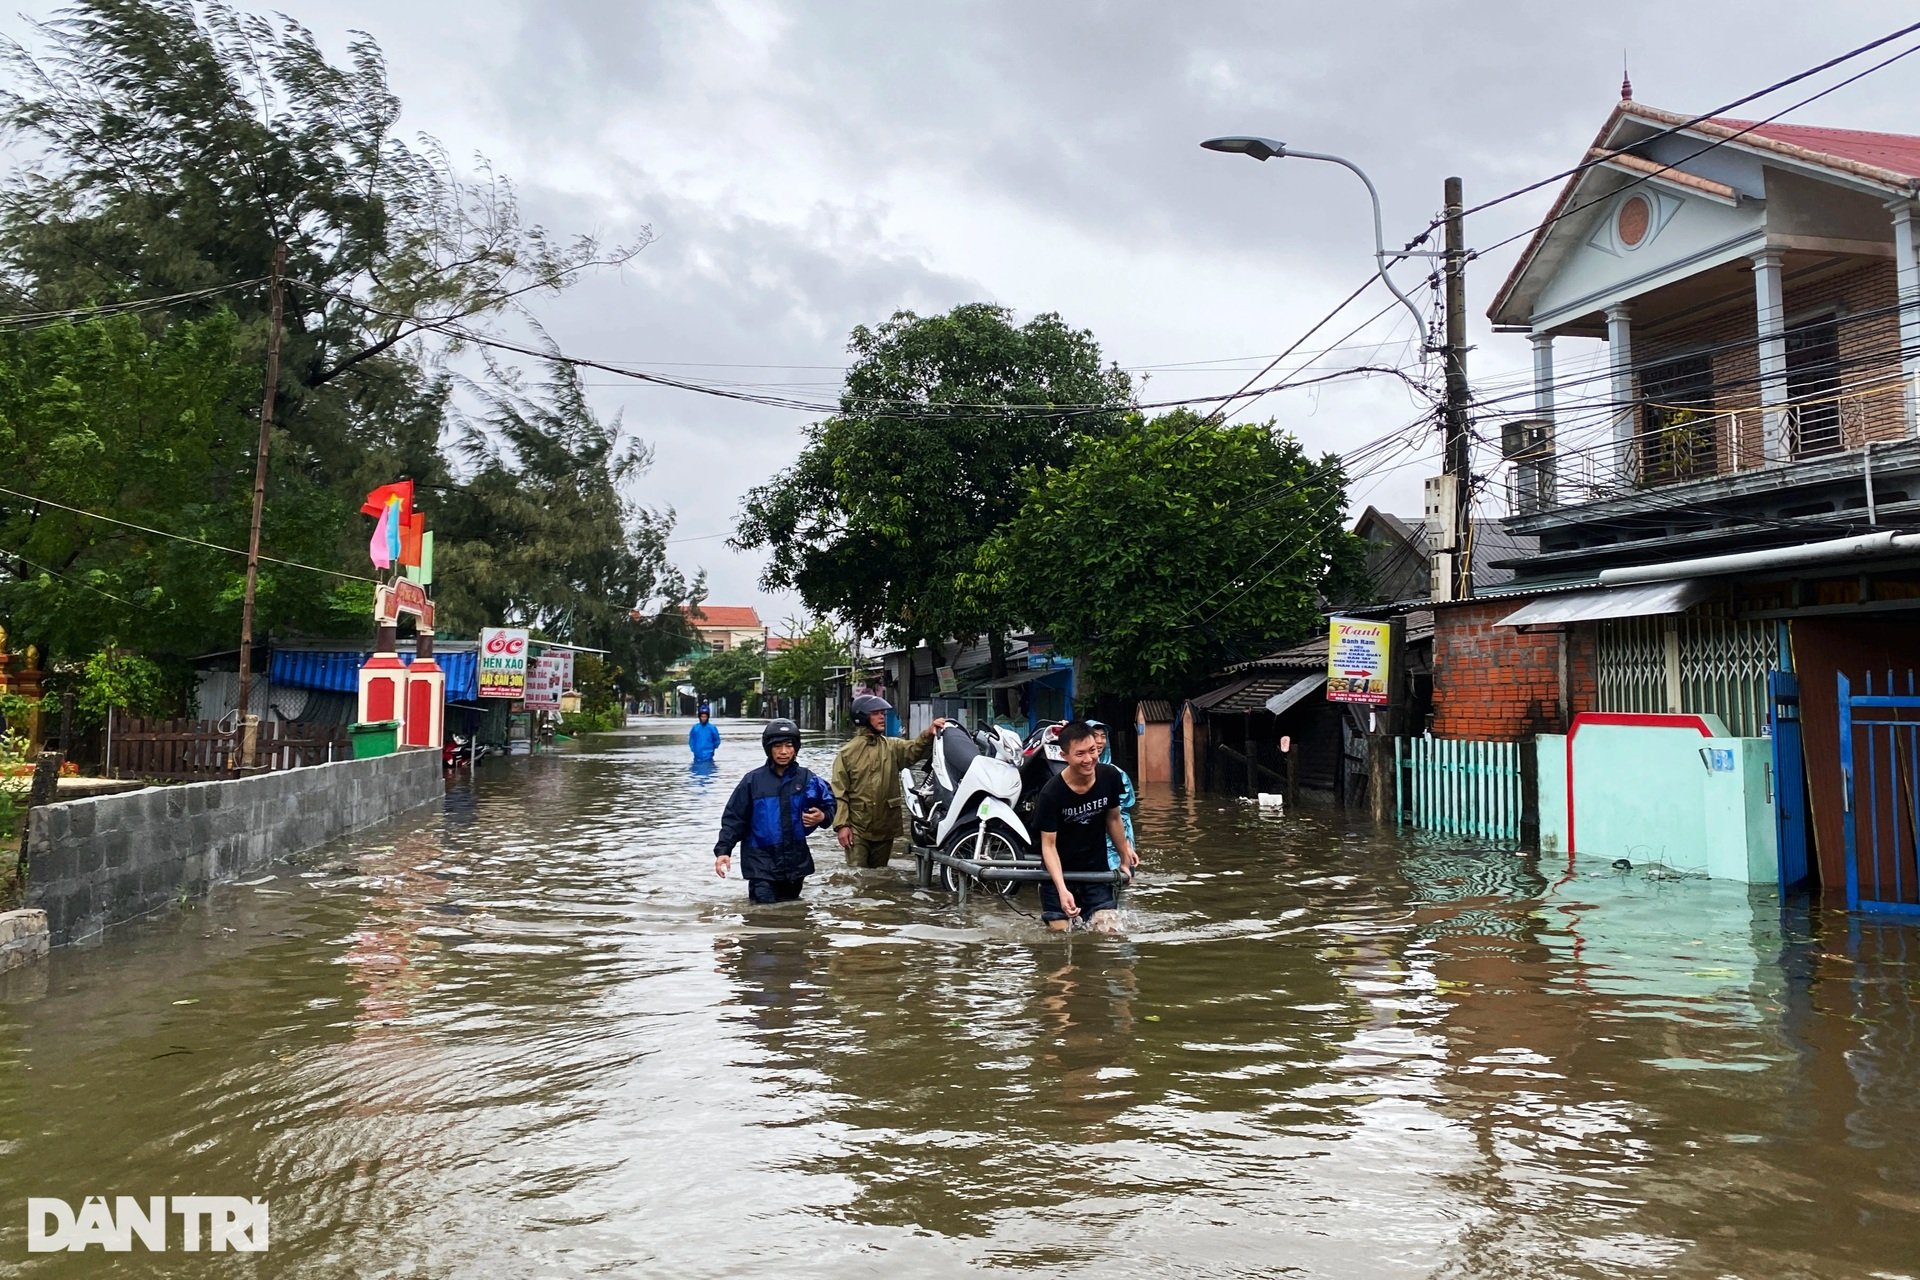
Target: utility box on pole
pixel 1443 535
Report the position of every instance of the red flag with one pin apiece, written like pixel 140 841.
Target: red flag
pixel 412 529
pixel 376 502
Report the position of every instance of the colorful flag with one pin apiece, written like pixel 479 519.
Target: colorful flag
pixel 396 516
pixel 377 501
pixel 412 530
pixel 378 545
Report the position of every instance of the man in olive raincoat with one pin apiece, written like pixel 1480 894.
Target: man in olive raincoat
pixel 866 781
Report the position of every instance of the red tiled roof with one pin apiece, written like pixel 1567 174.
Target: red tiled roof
pixel 1890 159
pixel 776 643
pixel 730 616
pixel 1899 152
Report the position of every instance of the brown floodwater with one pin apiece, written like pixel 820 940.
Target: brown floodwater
pixel 531 1034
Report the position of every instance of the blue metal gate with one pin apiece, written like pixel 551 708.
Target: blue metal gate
pixel 1789 779
pixel 1880 795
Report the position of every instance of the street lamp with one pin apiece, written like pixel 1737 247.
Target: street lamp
pixel 1269 148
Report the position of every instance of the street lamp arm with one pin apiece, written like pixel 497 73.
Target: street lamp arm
pixel 1379 238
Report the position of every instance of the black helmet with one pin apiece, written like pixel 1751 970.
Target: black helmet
pixel 779 731
pixel 868 703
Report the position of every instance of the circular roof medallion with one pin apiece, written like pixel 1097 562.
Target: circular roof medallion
pixel 1633 220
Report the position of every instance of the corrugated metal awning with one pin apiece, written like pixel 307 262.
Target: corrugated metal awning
pixel 1024 677
pixel 339 671
pixel 1255 692
pixel 1646 600
pixel 1301 688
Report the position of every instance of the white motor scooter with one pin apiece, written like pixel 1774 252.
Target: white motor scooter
pixel 965 808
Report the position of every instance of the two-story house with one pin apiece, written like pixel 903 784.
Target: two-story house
pixel 1723 492
pixel 725 626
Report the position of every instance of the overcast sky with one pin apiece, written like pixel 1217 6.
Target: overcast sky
pixel 806 167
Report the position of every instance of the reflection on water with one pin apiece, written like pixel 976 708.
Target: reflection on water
pixel 531 1033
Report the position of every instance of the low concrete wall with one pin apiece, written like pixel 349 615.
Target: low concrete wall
pixel 104 860
pixel 23 937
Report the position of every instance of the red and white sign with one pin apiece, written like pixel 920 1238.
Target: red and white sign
pixel 402 596
pixel 543 684
pixel 503 662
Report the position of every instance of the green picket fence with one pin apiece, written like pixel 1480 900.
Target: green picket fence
pixel 1463 788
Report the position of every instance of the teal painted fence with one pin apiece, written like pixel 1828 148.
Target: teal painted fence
pixel 1464 788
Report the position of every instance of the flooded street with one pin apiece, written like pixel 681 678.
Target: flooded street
pixel 533 1035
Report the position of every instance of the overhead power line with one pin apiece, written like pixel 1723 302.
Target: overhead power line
pixel 891 408
pixel 178 537
pixel 1704 117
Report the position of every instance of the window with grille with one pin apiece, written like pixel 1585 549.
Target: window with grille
pixel 1677 427
pixel 1813 384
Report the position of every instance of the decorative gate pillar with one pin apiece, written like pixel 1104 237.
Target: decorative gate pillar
pixel 426 696
pixel 383 676
pixel 416 696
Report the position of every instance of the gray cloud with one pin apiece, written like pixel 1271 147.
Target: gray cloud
pixel 811 167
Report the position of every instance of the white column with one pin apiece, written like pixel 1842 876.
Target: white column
pixel 1907 273
pixel 1626 414
pixel 1536 478
pixel 1771 322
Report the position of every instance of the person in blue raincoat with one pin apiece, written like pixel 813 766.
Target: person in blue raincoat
pixel 704 738
pixel 1127 796
pixel 769 816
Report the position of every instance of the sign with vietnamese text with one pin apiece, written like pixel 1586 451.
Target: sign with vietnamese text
pixel 503 662
pixel 563 661
pixel 1357 660
pixel 402 596
pixel 543 683
pixel 949 683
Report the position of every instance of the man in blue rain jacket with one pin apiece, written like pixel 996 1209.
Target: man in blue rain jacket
pixel 770 814
pixel 704 738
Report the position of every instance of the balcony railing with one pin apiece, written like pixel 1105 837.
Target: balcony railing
pixel 1677 444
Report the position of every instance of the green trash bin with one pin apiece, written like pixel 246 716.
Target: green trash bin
pixel 374 738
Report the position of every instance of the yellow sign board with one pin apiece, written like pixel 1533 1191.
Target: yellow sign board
pixel 1358 652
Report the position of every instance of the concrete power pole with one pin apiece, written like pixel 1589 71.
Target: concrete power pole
pixel 1459 453
pixel 249 727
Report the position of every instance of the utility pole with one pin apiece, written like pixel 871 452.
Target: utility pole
pixel 249 724
pixel 1459 454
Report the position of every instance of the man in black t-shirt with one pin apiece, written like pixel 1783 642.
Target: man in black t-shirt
pixel 1078 812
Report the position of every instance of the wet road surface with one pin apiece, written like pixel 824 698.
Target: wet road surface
pixel 531 1034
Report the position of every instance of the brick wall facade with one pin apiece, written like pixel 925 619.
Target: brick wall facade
pixel 1859 297
pixel 1498 684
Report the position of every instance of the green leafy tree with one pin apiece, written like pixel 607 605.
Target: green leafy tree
pixel 149 427
pixel 114 679
pixel 729 674
pixel 601 708
pixel 543 535
pixel 165 147
pixel 1176 546
pixel 176 142
pixel 884 511
pixel 800 668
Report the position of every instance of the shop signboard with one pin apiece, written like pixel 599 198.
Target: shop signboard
pixel 1357 657
pixel 503 662
pixel 543 684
